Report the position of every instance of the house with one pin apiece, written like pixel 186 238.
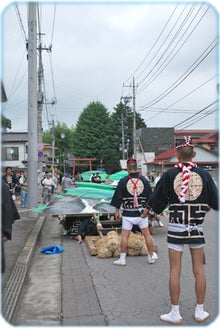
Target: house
pixel 163 141
pixel 15 151
pixel 156 140
pixel 205 158
pixel 159 140
pixel 207 138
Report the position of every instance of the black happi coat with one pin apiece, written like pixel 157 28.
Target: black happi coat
pixel 122 197
pixel 202 196
pixel 9 215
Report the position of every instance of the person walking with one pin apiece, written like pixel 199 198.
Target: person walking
pixel 190 192
pixel 67 182
pixel 24 188
pixel 132 193
pixel 48 185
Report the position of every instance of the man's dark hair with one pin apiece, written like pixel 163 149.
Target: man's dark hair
pixel 185 152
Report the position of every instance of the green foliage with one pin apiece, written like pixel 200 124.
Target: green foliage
pixel 5 123
pixel 60 143
pixel 123 116
pixel 94 135
pixel 98 134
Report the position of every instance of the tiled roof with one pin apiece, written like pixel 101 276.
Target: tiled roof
pixel 15 137
pixel 211 138
pixel 192 132
pixel 166 154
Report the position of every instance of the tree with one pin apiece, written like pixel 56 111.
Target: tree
pixel 122 117
pixel 62 144
pixel 95 136
pixel 6 123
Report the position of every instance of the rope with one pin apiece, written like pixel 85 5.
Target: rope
pixel 185 181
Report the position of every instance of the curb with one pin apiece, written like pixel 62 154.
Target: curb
pixel 15 282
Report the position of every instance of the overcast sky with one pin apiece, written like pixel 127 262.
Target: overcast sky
pixel 169 48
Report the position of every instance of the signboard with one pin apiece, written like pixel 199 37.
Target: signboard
pixel 40 154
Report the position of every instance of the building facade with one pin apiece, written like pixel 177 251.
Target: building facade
pixel 15 151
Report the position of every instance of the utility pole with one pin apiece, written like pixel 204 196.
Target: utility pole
pixel 134 115
pixel 32 109
pixel 123 135
pixel 53 146
pixel 134 121
pixel 40 97
pixel 126 101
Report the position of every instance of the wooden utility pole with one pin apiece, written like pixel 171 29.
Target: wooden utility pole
pixel 32 109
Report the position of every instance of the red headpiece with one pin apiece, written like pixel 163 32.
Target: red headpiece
pixel 131 161
pixel 186 144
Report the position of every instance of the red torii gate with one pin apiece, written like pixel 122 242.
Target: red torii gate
pixel 76 160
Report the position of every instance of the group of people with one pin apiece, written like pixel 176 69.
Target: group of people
pixel 17 183
pixel 189 192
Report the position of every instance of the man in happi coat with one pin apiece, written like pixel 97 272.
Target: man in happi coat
pixel 189 192
pixel 130 198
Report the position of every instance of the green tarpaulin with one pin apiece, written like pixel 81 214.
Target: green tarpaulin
pixel 118 175
pixel 87 175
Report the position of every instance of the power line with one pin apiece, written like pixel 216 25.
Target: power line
pixel 161 68
pixel 170 43
pixel 199 112
pixel 160 110
pixel 156 41
pixel 53 25
pixel 199 119
pixel 177 101
pixel 21 24
pixel 184 76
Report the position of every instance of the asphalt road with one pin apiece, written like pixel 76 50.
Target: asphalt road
pixel 75 288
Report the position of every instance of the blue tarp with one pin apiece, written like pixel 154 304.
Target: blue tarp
pixel 54 249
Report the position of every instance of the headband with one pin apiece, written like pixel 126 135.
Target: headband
pixel 186 144
pixel 131 161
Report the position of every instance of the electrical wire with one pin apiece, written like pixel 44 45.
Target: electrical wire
pixel 185 75
pixel 199 119
pixel 53 25
pixel 193 116
pixel 170 43
pixel 16 84
pixel 156 41
pixel 161 68
pixel 160 110
pixel 21 24
pixel 180 99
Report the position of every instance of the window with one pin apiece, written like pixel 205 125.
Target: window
pixel 10 154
